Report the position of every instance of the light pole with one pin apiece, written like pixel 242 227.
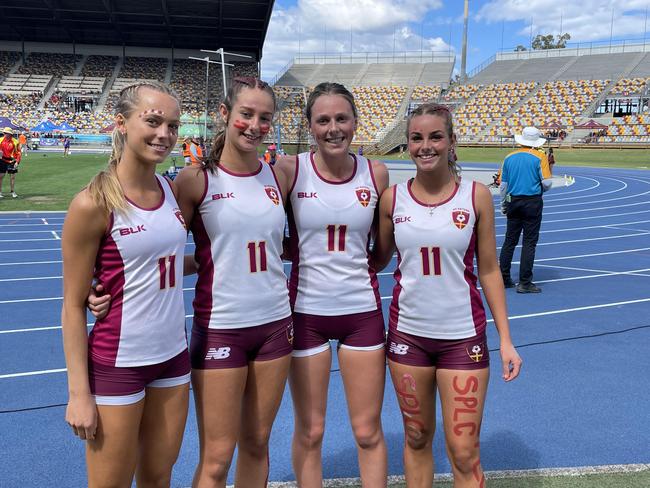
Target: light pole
pixel 207 62
pixel 223 64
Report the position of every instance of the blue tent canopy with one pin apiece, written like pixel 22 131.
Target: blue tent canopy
pixel 6 122
pixel 45 126
pixel 65 127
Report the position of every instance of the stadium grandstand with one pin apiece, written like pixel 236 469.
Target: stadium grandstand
pixel 558 90
pixel 66 64
pixel 66 61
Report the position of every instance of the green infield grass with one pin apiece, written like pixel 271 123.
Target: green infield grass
pixel 47 181
pixel 599 158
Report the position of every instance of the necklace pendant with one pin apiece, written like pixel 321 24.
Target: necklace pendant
pixel 431 209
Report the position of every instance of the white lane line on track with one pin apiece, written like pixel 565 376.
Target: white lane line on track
pixel 32 250
pixel 24 240
pixel 29 262
pixel 37 278
pixel 56 236
pixel 25 231
pixel 32 373
pixel 513 317
pixel 564 210
pixel 30 225
pixel 51 327
pixel 45 221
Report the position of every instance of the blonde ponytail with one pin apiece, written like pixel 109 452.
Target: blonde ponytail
pixel 105 188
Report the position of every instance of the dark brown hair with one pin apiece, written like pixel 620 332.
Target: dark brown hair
pixel 236 86
pixel 329 88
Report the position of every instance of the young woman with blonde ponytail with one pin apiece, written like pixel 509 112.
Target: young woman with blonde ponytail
pixel 128 381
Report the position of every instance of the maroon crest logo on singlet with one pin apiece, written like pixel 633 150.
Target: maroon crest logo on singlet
pixel 460 217
pixel 179 216
pixel 363 194
pixel 272 193
pixel 476 354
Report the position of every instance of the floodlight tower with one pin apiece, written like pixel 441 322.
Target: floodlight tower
pixel 223 64
pixel 463 57
pixel 207 62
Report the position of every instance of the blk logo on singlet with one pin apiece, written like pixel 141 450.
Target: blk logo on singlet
pixel 363 195
pixel 460 217
pixel 305 194
pixel 401 220
pixel 290 333
pixel 400 349
pixel 214 353
pixel 222 196
pixel 132 230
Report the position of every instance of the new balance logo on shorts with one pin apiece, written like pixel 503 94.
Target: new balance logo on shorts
pixel 214 353
pixel 398 348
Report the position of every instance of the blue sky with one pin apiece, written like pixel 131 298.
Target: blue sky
pixel 311 26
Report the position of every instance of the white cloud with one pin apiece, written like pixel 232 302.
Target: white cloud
pixel 587 20
pixel 365 14
pixel 317 26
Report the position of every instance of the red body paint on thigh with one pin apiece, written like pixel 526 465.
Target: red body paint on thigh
pixel 241 125
pixel 410 406
pixel 465 404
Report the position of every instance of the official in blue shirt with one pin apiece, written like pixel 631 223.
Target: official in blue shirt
pixel 522 184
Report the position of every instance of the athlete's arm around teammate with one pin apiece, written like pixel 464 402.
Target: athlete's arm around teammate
pixel 129 381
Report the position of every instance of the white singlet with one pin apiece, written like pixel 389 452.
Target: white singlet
pixel 238 231
pixel 435 294
pixel 140 264
pixel 329 228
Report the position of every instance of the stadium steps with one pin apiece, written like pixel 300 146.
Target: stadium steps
pixel 359 78
pixel 109 84
pixel 392 135
pixel 80 65
pixel 591 108
pixel 15 67
pixel 313 78
pixel 513 110
pixel 48 92
pixel 168 72
pixel 563 69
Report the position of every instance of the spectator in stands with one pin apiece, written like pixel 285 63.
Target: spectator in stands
pixel 360 151
pixel 524 177
pixel 10 150
pixel 272 154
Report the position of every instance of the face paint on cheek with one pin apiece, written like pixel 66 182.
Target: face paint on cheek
pixel 241 125
pixel 264 129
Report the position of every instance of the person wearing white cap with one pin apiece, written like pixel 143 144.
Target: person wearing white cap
pixel 10 151
pixel 524 177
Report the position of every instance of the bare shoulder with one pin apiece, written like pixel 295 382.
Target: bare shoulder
pixel 380 172
pixel 386 200
pixel 86 215
pixel 190 181
pixel 482 198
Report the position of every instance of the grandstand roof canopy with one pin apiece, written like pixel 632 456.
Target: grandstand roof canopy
pixel 235 25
